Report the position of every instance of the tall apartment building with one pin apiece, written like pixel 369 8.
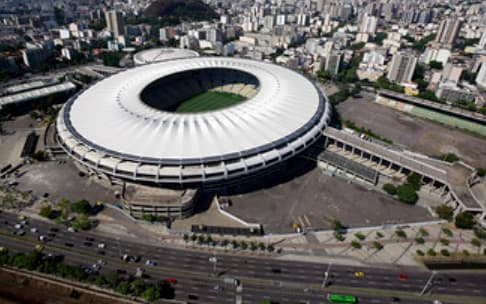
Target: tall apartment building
pixel 333 62
pixel 402 67
pixel 448 31
pixel 115 23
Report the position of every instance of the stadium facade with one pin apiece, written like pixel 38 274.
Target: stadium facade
pixel 127 126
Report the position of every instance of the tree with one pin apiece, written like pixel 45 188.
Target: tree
pixel 414 180
pixel 82 207
pixel 123 287
pixel 151 294
pixel 420 240
pixel 355 244
pixel 193 238
pixel 476 242
pixel 82 223
pixel 445 212
pixel 450 157
pixel 261 246
pixel 224 243
pixel 390 189
pixel 406 193
pixel 435 65
pixel 377 245
pixel 338 226
pixel 46 211
pixel 138 287
pixel 400 233
pixel 186 237
pixel 465 220
pixel 112 279
pixel 243 245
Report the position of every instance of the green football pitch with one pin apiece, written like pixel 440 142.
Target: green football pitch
pixel 209 101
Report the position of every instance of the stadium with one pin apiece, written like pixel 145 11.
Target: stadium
pixel 162 54
pixel 192 121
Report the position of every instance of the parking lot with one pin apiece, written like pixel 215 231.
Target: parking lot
pixel 317 200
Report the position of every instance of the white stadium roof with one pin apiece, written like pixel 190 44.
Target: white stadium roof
pixel 162 54
pixel 110 128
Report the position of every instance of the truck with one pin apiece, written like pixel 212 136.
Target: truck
pixel 231 281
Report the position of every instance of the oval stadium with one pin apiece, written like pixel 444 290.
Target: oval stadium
pixel 193 121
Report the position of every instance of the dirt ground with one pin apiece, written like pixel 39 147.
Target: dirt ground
pixel 414 133
pixel 13 139
pixel 321 199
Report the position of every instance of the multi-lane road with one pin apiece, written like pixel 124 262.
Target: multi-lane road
pixel 262 278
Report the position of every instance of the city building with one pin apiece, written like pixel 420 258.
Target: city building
pixel 333 62
pixel 402 67
pixel 448 31
pixel 115 23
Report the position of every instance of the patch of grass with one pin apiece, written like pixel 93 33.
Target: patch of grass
pixel 379 235
pixel 431 252
pixel 209 101
pixel 420 252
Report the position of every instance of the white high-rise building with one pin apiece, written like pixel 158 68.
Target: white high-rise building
pixel 402 67
pixel 368 24
pixel 115 23
pixel 448 31
pixel 481 77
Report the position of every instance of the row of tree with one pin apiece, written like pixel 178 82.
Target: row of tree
pixel 55 265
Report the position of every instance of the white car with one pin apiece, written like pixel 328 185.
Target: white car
pixel 33 230
pixel 71 229
pixel 101 245
pixel 18 226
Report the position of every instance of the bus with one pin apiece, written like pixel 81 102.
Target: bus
pixel 341 299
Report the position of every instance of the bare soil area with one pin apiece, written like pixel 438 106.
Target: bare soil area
pixel 414 133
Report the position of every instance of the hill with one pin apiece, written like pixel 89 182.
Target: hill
pixel 180 10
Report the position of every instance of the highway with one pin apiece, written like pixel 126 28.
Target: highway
pixel 262 278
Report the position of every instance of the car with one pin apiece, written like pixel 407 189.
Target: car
pixel 33 230
pixel 24 222
pixel 69 244
pixel 21 217
pixel 88 270
pixel 307 290
pixel 43 238
pixel 21 232
pixel 394 299
pixel 51 235
pixel 218 288
pixel 39 247
pixel 101 262
pixel 18 226
pixel 3 249
pixel 87 244
pixel 359 274
pixel 101 245
pixel 451 279
pixel 71 229
pixel 276 270
pixel 89 239
pixel 102 252
pixel 402 277
pixel 121 271
pixel 150 263
pixel 171 281
pixel 96 267
pixel 192 296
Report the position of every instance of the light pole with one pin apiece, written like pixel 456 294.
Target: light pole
pixel 429 282
pixel 326 275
